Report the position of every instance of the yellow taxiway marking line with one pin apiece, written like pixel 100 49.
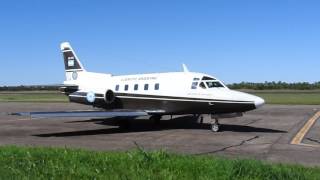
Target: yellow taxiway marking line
pixel 303 131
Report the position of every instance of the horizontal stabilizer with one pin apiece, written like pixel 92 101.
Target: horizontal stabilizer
pixel 68 89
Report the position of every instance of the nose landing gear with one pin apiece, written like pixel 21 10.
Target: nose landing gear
pixel 215 126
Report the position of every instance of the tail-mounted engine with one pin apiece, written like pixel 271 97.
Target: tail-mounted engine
pixel 111 101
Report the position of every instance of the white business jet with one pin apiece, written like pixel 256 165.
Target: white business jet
pixel 154 95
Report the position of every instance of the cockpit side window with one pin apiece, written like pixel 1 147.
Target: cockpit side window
pixel 194 85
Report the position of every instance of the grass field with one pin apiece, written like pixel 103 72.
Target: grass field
pixel 32 96
pixel 291 97
pixel 54 163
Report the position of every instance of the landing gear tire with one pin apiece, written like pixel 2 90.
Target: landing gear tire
pixel 215 127
pixel 156 119
pixel 124 124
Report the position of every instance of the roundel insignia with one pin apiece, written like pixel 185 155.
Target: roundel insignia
pixel 91 97
pixel 74 75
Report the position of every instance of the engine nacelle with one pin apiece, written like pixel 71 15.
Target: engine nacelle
pixel 109 97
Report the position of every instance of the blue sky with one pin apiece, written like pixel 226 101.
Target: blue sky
pixel 247 40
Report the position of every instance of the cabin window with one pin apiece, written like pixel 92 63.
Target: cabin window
pixel 146 87
pixel 126 87
pixel 196 79
pixel 156 86
pixel 194 85
pixel 207 78
pixel 117 87
pixel 202 85
pixel 136 87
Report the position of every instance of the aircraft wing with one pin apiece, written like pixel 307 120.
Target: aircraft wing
pixel 92 114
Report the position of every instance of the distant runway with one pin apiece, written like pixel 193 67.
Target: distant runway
pixel 268 133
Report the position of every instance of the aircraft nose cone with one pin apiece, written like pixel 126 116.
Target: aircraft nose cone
pixel 258 102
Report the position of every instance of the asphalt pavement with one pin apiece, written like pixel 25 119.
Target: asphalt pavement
pixel 265 134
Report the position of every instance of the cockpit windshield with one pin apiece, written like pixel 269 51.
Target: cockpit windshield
pixel 214 84
pixel 206 82
pixel 205 78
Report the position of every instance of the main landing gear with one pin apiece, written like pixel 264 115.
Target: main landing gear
pixel 155 118
pixel 199 118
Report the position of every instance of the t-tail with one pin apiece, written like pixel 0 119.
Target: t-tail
pixel 73 68
pixel 71 61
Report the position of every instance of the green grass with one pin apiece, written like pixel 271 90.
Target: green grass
pixel 55 163
pixel 32 96
pixel 290 97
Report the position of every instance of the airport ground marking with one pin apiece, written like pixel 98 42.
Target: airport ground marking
pixel 304 130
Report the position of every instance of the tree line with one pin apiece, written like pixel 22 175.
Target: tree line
pixel 275 85
pixel 243 85
pixel 29 88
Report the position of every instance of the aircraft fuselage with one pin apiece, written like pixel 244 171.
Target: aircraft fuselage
pixel 160 93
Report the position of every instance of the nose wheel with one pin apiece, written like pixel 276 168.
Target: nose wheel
pixel 215 126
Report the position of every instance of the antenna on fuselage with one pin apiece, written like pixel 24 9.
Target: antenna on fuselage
pixel 185 68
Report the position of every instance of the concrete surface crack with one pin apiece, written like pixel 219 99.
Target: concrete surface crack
pixel 253 121
pixel 228 147
pixel 314 140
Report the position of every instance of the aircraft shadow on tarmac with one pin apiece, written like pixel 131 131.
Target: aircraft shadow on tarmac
pixel 145 125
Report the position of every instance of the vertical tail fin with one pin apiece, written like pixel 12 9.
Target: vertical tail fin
pixel 71 61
